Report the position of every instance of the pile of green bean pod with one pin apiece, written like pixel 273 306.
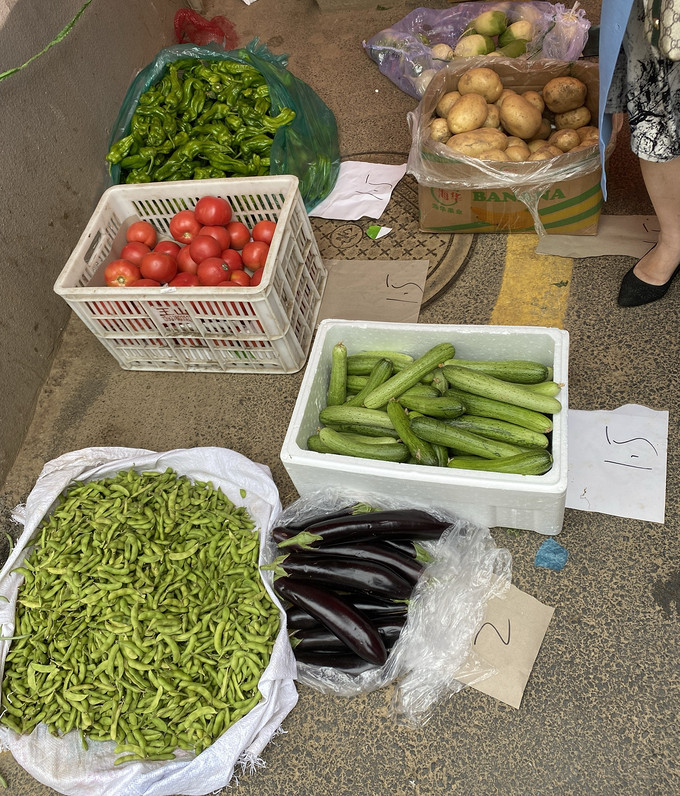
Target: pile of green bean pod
pixel 142 618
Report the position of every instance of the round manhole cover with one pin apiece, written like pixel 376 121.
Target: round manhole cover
pixel 347 240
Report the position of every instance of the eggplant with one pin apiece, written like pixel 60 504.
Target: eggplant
pixel 299 619
pixel 349 574
pixel 344 621
pixel 388 524
pixel 374 608
pixel 379 553
pixel 282 532
pixel 323 640
pixel 345 662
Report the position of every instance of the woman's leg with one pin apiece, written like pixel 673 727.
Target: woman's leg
pixel 662 181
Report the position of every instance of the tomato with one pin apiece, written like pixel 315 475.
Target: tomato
pixel 142 232
pixel 220 234
pixel 146 283
pixel 212 271
pixel 255 254
pixel 239 234
pixel 264 231
pixel 256 278
pixel 159 266
pixel 240 278
pixel 212 210
pixel 121 273
pixel 185 262
pixel 184 279
pixel 204 246
pixel 233 259
pixel 227 283
pixel 168 247
pixel 184 227
pixel 134 251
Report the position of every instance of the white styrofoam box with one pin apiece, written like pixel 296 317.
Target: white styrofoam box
pixel 526 502
pixel 266 328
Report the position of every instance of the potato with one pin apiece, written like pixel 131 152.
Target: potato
pixel 588 131
pixel 493 154
pixel 517 153
pixel 467 113
pixel 445 103
pixel 563 94
pixel 481 80
pixel 545 153
pixel 578 117
pixel 519 117
pixel 439 130
pixel 544 130
pixel 504 94
pixel 536 143
pixel 584 146
pixel 493 116
pixel 564 139
pixel 474 142
pixel 513 140
pixel 535 99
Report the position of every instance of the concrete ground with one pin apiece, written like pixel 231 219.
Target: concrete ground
pixel 599 714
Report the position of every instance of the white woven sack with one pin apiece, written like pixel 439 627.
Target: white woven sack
pixel 61 763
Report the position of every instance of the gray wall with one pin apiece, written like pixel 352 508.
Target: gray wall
pixel 55 120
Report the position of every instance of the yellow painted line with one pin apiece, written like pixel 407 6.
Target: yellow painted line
pixel 535 287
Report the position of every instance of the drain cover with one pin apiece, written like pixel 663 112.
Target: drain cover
pixel 347 240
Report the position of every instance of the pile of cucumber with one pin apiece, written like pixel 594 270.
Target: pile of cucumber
pixel 439 411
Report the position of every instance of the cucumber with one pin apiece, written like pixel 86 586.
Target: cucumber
pixel 421 450
pixel 355 383
pixel 440 433
pixel 487 407
pixel 337 382
pixel 409 376
pixel 424 390
pixel 481 384
pixel 500 430
pixel 364 430
pixel 355 415
pixel 520 371
pixel 535 462
pixel 362 364
pixel 382 370
pixel 547 387
pixel 338 443
pixel 366 439
pixel 445 406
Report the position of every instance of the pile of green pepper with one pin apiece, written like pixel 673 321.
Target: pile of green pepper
pixel 203 119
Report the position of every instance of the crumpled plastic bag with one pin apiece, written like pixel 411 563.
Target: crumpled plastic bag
pixel 62 763
pixel 403 54
pixel 446 609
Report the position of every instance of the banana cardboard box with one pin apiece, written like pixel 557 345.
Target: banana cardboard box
pixel 556 193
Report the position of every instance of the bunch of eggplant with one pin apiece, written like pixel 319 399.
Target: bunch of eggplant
pixel 347 578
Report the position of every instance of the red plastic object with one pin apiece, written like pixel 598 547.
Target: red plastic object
pixel 192 28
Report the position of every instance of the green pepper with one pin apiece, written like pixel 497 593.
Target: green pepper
pixel 120 149
pixel 272 123
pixel 196 105
pixel 156 134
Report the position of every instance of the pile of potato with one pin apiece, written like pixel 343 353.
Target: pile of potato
pixel 483 119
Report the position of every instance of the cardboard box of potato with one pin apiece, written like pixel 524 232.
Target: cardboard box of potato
pixel 467 186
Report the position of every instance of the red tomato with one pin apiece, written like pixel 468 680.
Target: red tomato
pixel 220 234
pixel 226 284
pixel 185 261
pixel 264 231
pixel 255 254
pixel 240 278
pixel 168 247
pixel 143 232
pixel 212 271
pixel 184 279
pixel 239 234
pixel 134 251
pixel 159 266
pixel 121 273
pixel 146 283
pixel 211 210
pixel 204 246
pixel 184 227
pixel 233 259
pixel 256 278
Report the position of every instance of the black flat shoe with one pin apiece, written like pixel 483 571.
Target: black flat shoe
pixel 634 292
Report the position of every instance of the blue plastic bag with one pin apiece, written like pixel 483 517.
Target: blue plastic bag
pixel 307 147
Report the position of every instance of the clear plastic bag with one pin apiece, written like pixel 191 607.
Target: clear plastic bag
pixel 403 52
pixel 446 608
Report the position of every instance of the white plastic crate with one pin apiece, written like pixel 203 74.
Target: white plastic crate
pixel 525 502
pixel 265 329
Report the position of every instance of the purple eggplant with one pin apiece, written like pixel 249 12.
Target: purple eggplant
pixel 282 532
pixel 299 619
pixel 344 621
pixel 323 640
pixel 374 608
pixel 345 662
pixel 387 525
